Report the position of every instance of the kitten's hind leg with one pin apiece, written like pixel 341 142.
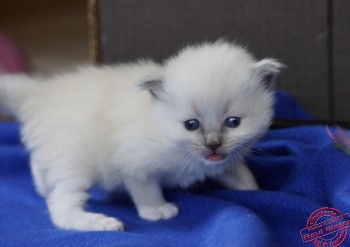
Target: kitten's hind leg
pixel 66 205
pixel 238 177
pixel 148 198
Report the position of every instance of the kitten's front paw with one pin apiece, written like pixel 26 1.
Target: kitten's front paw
pixel 109 224
pixel 85 221
pixel 164 212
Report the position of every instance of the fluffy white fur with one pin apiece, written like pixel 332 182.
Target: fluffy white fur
pixel 123 127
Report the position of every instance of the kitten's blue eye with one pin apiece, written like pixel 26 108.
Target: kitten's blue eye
pixel 191 124
pixel 233 122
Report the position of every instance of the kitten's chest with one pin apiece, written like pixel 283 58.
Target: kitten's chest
pixel 187 170
pixel 182 171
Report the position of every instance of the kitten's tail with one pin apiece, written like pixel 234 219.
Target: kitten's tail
pixel 14 91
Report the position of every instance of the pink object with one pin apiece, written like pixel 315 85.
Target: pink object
pixel 11 59
pixel 216 157
pixel 340 137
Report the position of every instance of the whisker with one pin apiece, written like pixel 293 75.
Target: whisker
pixel 182 166
pixel 191 163
pixel 256 150
pixel 249 146
pixel 197 165
pixel 184 163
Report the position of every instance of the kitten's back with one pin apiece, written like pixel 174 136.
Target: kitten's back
pixel 84 89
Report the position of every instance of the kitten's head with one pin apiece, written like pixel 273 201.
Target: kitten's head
pixel 214 100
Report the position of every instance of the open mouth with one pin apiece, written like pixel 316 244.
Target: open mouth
pixel 215 157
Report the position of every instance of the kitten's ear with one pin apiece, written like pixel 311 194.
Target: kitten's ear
pixel 267 70
pixel 154 85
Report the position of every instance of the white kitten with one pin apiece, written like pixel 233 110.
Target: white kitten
pixel 196 116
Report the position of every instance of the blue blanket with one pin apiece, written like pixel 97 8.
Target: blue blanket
pixel 298 169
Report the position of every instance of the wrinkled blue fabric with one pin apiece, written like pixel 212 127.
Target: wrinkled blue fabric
pixel 299 170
